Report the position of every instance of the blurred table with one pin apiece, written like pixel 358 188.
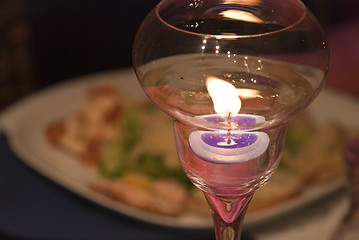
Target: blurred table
pixel 316 221
pixel 33 207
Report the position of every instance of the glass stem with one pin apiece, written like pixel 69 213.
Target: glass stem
pixel 228 216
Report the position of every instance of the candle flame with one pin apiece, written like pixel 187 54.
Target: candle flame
pixel 224 96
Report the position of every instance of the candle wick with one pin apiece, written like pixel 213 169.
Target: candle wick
pixel 229 119
pixel 229 134
pixel 229 137
pixel 230 123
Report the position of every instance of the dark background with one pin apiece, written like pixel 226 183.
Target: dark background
pixel 45 41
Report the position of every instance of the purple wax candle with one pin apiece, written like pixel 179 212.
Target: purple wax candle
pixel 228 146
pixel 231 146
pixel 242 121
pixel 221 147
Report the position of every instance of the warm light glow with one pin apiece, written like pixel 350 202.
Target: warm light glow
pixel 246 93
pixel 241 15
pixel 224 96
pixel 243 2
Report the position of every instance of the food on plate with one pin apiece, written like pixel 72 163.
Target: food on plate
pixel 85 132
pixel 311 155
pixel 131 144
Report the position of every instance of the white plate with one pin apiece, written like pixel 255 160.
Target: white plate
pixel 24 122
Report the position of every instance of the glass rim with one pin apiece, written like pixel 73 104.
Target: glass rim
pixel 223 36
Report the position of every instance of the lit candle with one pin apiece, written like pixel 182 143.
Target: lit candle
pixel 228 146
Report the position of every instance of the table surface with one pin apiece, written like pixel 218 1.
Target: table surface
pixel 44 210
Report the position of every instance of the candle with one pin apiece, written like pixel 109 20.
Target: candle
pixel 228 146
pixel 232 121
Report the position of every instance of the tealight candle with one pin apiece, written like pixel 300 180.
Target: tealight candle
pixel 233 121
pixel 228 146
